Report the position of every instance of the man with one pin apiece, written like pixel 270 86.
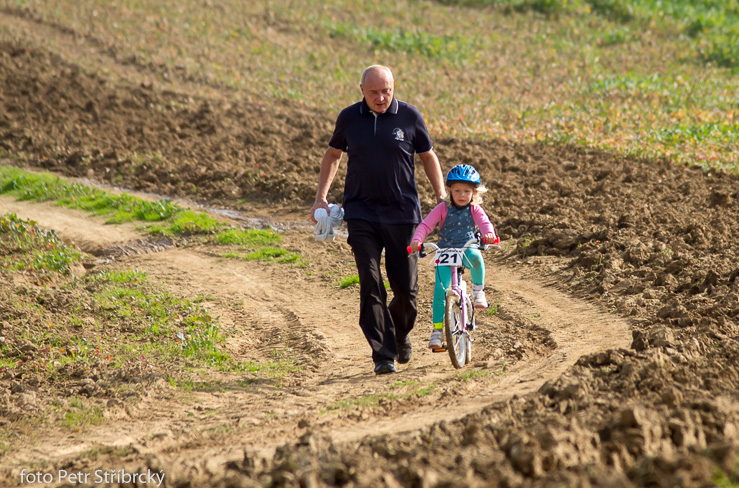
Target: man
pixel 381 207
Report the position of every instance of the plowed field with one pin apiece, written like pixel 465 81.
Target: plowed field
pixel 612 360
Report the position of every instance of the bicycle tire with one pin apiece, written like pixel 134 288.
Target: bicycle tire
pixel 456 339
pixel 470 327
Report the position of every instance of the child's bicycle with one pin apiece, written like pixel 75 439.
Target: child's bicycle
pixel 459 314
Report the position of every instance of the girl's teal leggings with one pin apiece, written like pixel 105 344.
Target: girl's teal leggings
pixel 472 261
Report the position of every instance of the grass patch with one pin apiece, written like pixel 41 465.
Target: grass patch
pixel 25 246
pixel 79 415
pixel 172 326
pixel 519 70
pixel 122 277
pixel 493 309
pixel 401 389
pixel 5 361
pixel 472 374
pixel 416 42
pixel 248 237
pixel 347 281
pixel 278 368
pixel 170 218
pixel 108 451
pixel 721 479
pixel 162 217
pixel 364 401
pixel 402 384
pixel 188 222
pixel 425 391
pixel 119 208
pixel 270 253
pixel 410 390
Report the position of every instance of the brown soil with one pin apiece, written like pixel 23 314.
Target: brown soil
pixel 613 360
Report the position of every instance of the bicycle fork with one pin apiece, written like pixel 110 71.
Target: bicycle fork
pixel 458 291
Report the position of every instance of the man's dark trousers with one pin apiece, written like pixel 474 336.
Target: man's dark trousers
pixel 384 324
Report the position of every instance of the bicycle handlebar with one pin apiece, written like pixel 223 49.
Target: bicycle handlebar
pixel 478 239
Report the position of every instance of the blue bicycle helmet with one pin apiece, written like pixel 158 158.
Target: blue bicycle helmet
pixel 463 173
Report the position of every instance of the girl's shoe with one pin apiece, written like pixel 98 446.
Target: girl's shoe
pixel 436 339
pixel 478 299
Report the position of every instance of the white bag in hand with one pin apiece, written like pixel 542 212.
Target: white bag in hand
pixel 327 221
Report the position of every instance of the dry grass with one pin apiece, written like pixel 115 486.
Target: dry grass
pixel 640 87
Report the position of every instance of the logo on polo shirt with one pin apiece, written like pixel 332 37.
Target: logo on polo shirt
pixel 398 133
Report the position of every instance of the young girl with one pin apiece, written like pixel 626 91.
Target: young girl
pixel 457 218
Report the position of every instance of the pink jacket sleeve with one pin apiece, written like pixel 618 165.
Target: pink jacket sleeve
pixel 481 220
pixel 436 216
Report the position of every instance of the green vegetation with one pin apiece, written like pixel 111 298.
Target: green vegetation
pixel 712 24
pixel 401 389
pixel 162 217
pixel 26 246
pixel 267 254
pixel 165 325
pixel 364 401
pixel 101 450
pixel 402 384
pixel 248 237
pixel 472 374
pixel 347 281
pixel 493 309
pixel 650 78
pixel 80 415
pixel 448 48
pixel 60 333
pixel 188 222
pixel 270 253
pixel 722 480
pixel 117 208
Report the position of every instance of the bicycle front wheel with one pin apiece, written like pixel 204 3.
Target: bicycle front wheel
pixel 456 339
pixel 470 327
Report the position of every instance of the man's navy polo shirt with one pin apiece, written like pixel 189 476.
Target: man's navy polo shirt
pixel 380 183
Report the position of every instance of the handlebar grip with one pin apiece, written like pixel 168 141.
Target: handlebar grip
pixel 421 254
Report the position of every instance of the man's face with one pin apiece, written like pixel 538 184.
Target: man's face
pixel 378 90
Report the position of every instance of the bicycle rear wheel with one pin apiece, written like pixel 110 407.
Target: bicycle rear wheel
pixel 456 339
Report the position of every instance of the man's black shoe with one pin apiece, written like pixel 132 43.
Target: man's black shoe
pixel 384 367
pixel 404 351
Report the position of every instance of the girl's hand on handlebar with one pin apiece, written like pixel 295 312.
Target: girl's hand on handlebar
pixel 415 246
pixel 490 239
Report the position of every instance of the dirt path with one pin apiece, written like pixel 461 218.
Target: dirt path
pixel 266 308
pixel 645 239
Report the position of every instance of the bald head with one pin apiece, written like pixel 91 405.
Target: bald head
pixel 376 69
pixel 377 86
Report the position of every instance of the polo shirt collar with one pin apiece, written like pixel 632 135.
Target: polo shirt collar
pixel 364 108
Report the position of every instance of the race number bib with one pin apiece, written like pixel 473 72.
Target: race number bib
pixel 448 257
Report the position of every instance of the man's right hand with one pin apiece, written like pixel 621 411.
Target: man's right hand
pixel 319 204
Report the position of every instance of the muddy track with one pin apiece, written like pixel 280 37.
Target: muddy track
pixel 613 360
pixel 332 349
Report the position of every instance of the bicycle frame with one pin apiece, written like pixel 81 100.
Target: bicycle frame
pixel 458 311
pixel 455 288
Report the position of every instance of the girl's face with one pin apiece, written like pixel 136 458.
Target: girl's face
pixel 462 193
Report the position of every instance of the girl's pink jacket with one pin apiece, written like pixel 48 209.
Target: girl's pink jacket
pixel 438 215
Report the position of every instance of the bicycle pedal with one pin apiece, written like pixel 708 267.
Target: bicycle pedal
pixel 438 349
